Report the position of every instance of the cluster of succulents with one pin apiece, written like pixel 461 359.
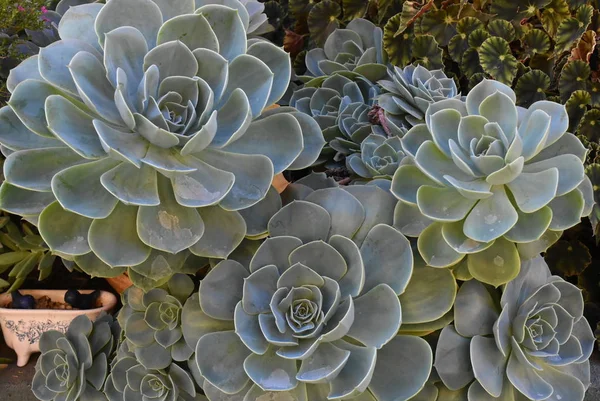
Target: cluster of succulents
pixel 153 139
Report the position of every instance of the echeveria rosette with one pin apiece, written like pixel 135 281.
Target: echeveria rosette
pixel 315 315
pixel 141 134
pixel 74 365
pixel 379 157
pixel 490 180
pixel 343 109
pixel 410 91
pixel 356 50
pixel 533 344
pixel 152 322
pixel 129 380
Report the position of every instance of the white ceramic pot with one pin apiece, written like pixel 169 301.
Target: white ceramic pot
pixel 22 328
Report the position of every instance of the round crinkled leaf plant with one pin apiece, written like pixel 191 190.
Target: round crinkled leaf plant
pixel 315 313
pixel 491 181
pixel 533 343
pixel 140 136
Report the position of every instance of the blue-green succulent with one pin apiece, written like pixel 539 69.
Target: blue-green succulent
pixel 409 91
pixel 140 136
pixel 532 344
pixel 490 180
pixel 356 50
pixel 323 310
pixel 379 157
pixel 74 365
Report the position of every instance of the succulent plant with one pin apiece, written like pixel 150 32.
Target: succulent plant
pixel 379 157
pixel 141 134
pixel 130 380
pixel 490 180
pixel 250 11
pixel 316 312
pixel 410 92
pixel 354 51
pixel 152 323
pixel 344 109
pixel 74 365
pixel 534 344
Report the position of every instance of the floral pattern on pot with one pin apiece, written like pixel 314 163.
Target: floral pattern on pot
pixel 534 344
pixel 316 313
pixel 490 180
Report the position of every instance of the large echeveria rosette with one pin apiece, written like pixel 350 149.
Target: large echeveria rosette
pixel 409 92
pixel 139 135
pixel 533 344
pixel 356 50
pixel 315 315
pixel 490 180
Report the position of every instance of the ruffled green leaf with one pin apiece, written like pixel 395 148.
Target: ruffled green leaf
pixel 573 77
pixel 323 20
pixel 497 60
pixel 531 87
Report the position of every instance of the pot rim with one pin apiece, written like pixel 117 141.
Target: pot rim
pixel 109 301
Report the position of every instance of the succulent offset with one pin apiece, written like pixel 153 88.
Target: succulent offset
pixel 534 344
pixel 409 93
pixel 140 134
pixel 74 365
pixel 129 380
pixel 490 180
pixel 343 107
pixel 379 157
pixel 152 323
pixel 316 312
pixel 354 51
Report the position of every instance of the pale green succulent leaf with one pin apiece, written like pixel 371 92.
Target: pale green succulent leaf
pixel 443 204
pixel 353 378
pixel 261 369
pixel 79 190
pixel 455 237
pixel 496 265
pixel 132 185
pixel 254 77
pixel 275 251
pixel 114 239
pixel 409 220
pixel 566 210
pixel 52 62
pixel 533 191
pixel 452 359
pixel 257 217
pixel 417 306
pixel 475 311
pixel 321 257
pixel 346 212
pixel 302 220
pixel 531 226
pixel 78 23
pixel 28 69
pixel 22 201
pixel 143 15
pixel 228 28
pixel 491 217
pixel 168 227
pixel 570 171
pixel 94 267
pixel 393 267
pixel 221 289
pixel 222 361
pixel 16 136
pixel 279 63
pixel 434 249
pixel 253 173
pixel 213 69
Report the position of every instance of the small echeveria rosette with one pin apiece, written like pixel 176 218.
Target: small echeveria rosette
pixel 409 93
pixel 129 380
pixel 354 51
pixel 74 365
pixel 534 344
pixel 379 157
pixel 344 109
pixel 490 180
pixel 316 313
pixel 152 323
pixel 141 134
